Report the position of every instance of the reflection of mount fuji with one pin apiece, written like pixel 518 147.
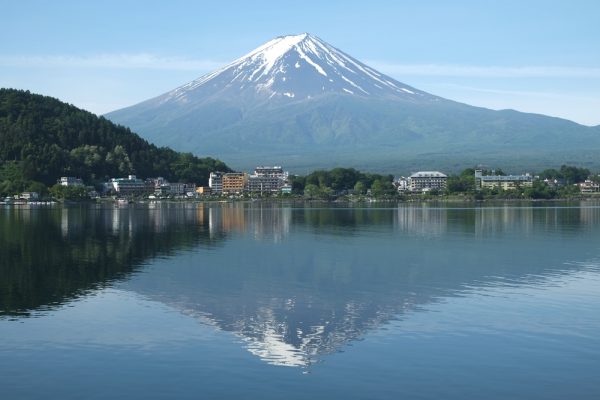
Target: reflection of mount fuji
pixel 341 273
pixel 293 283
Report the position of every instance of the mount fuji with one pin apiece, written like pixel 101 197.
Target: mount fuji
pixel 300 102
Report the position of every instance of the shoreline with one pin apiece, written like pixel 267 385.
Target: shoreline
pixel 293 200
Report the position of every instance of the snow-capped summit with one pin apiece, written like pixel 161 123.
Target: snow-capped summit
pixel 294 67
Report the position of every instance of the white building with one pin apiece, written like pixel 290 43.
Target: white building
pixel 215 182
pixel 70 181
pixel 401 184
pixel 425 181
pixel 267 180
pixel 29 196
pixel 129 185
pixel 589 186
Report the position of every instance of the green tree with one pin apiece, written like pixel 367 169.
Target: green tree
pixel 360 187
pixel 312 191
pixel 38 187
pixel 539 190
pixel 377 189
pixel 573 174
pixel 69 192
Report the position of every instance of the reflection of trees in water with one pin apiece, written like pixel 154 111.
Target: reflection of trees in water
pixel 291 298
pixel 52 255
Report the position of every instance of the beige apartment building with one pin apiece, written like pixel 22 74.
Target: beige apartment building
pixel 504 182
pixel 234 182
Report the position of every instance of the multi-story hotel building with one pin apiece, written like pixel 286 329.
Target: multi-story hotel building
pixel 129 185
pixel 234 182
pixel 267 179
pixel 504 182
pixel 425 181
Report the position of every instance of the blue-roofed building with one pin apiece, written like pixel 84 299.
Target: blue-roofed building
pixel 504 182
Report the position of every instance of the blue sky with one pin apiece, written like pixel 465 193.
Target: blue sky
pixel 534 56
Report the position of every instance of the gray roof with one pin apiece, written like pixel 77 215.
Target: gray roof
pixel 428 174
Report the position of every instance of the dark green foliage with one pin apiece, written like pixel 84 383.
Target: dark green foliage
pixel 569 174
pixel 12 180
pixel 342 179
pixel 573 174
pixel 42 139
pixel 69 192
pixel 540 190
pixel 463 183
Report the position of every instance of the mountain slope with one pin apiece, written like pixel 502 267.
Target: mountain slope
pixel 300 102
pixel 42 138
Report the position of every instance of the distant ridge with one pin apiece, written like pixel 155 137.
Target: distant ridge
pixel 298 101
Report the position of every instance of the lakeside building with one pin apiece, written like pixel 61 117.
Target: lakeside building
pixel 286 188
pixel 267 179
pixel 234 182
pixel 504 182
pixel 29 196
pixel 401 184
pixel 127 186
pixel 554 183
pixel 425 181
pixel 589 186
pixel 178 188
pixel 70 181
pixel 203 190
pixel 161 187
pixel 215 182
pixel 155 184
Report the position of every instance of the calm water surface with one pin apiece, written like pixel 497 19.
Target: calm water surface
pixel 257 301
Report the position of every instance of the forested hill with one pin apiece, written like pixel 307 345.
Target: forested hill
pixel 42 138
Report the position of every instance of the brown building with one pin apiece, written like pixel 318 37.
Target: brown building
pixel 234 182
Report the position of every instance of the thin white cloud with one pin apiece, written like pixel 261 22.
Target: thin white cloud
pixel 474 71
pixel 153 61
pixel 116 61
pixel 530 93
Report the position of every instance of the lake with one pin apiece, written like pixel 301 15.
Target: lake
pixel 298 301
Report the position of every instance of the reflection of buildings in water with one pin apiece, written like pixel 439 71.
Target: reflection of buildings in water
pixel 64 222
pixel 123 221
pixel 201 218
pixel 129 219
pixel 503 219
pixel 269 222
pixel 232 218
pixel 528 220
pixel 262 221
pixel 589 215
pixel 429 221
pixel 422 220
pixel 71 220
